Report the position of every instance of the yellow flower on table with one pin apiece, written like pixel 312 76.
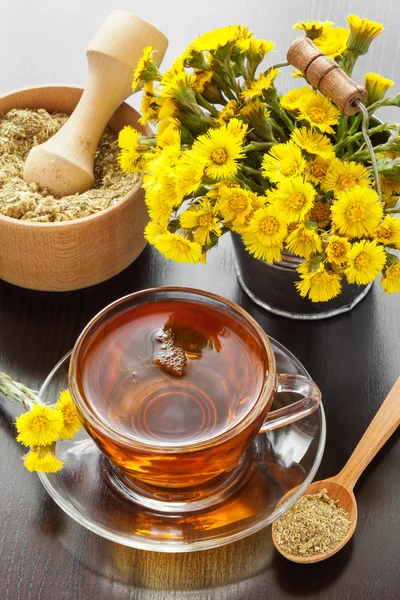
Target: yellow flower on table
pixel 178 248
pixel 42 460
pixel 259 250
pixel 295 198
pixel 388 232
pixel 313 142
pixel 283 161
pixel 319 286
pixel 356 212
pixel 362 33
pixel 72 420
pixel 304 241
pixel 220 151
pixel 41 426
pixel 291 100
pixel 343 175
pixel 337 249
pixel 319 112
pixel 320 214
pixel 391 278
pixel 203 219
pixel 263 83
pixel 365 261
pixel 268 226
pixel 376 86
pixel 217 38
pixel 317 169
pixel 333 41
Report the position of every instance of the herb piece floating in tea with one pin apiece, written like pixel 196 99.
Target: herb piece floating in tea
pixel 22 129
pixel 171 359
pixel 181 342
pixel 316 524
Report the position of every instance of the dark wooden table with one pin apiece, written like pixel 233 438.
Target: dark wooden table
pixel 44 555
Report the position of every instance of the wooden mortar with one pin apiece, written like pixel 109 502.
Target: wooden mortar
pixel 69 255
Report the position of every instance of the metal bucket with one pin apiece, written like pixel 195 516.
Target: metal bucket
pixel 272 287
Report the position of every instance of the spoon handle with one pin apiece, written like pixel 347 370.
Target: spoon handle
pixel 385 422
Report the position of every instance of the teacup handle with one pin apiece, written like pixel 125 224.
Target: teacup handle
pixel 293 412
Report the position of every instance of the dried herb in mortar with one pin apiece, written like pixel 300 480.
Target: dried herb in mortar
pixel 316 524
pixel 20 130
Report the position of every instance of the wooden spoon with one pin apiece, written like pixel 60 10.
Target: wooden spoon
pixel 340 487
pixel 64 164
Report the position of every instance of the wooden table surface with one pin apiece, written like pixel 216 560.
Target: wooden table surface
pixel 44 555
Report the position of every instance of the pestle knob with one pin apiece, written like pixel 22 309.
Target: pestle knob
pixel 64 164
pixel 325 74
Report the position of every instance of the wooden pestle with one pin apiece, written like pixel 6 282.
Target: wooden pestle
pixel 325 74
pixel 64 164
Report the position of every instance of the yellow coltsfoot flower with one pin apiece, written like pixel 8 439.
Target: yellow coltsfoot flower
pixel 237 128
pixel 376 87
pixel 146 69
pixel 319 112
pixel 337 249
pixel 388 232
pixel 72 420
pixel 42 460
pixel 189 173
pixel 357 212
pixel 268 226
pixel 220 151
pixel 317 169
pixel 295 198
pixel 203 219
pixel 235 204
pixel 365 261
pixel 343 175
pixel 292 99
pixel 264 82
pixel 320 214
pixel 391 278
pixel 283 161
pixel 218 38
pixel 313 142
pixel 313 29
pixel 319 286
pixel 41 426
pixel 152 231
pixel 259 250
pixel 230 109
pixel 333 41
pixel 176 247
pixel 304 241
pixel 362 33
pixel 129 158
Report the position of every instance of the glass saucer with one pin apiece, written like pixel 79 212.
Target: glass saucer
pixel 275 463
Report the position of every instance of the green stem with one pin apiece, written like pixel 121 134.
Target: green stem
pixel 359 135
pixel 258 146
pixel 250 183
pixel 393 211
pixel 384 102
pixel 206 104
pixel 13 390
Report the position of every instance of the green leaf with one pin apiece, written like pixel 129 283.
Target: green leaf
pixel 310 225
pixel 314 263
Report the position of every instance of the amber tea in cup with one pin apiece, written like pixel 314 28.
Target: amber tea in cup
pixel 173 384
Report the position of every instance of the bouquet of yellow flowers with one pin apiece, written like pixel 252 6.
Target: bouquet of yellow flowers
pixel 287 173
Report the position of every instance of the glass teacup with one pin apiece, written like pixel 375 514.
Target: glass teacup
pixel 173 384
